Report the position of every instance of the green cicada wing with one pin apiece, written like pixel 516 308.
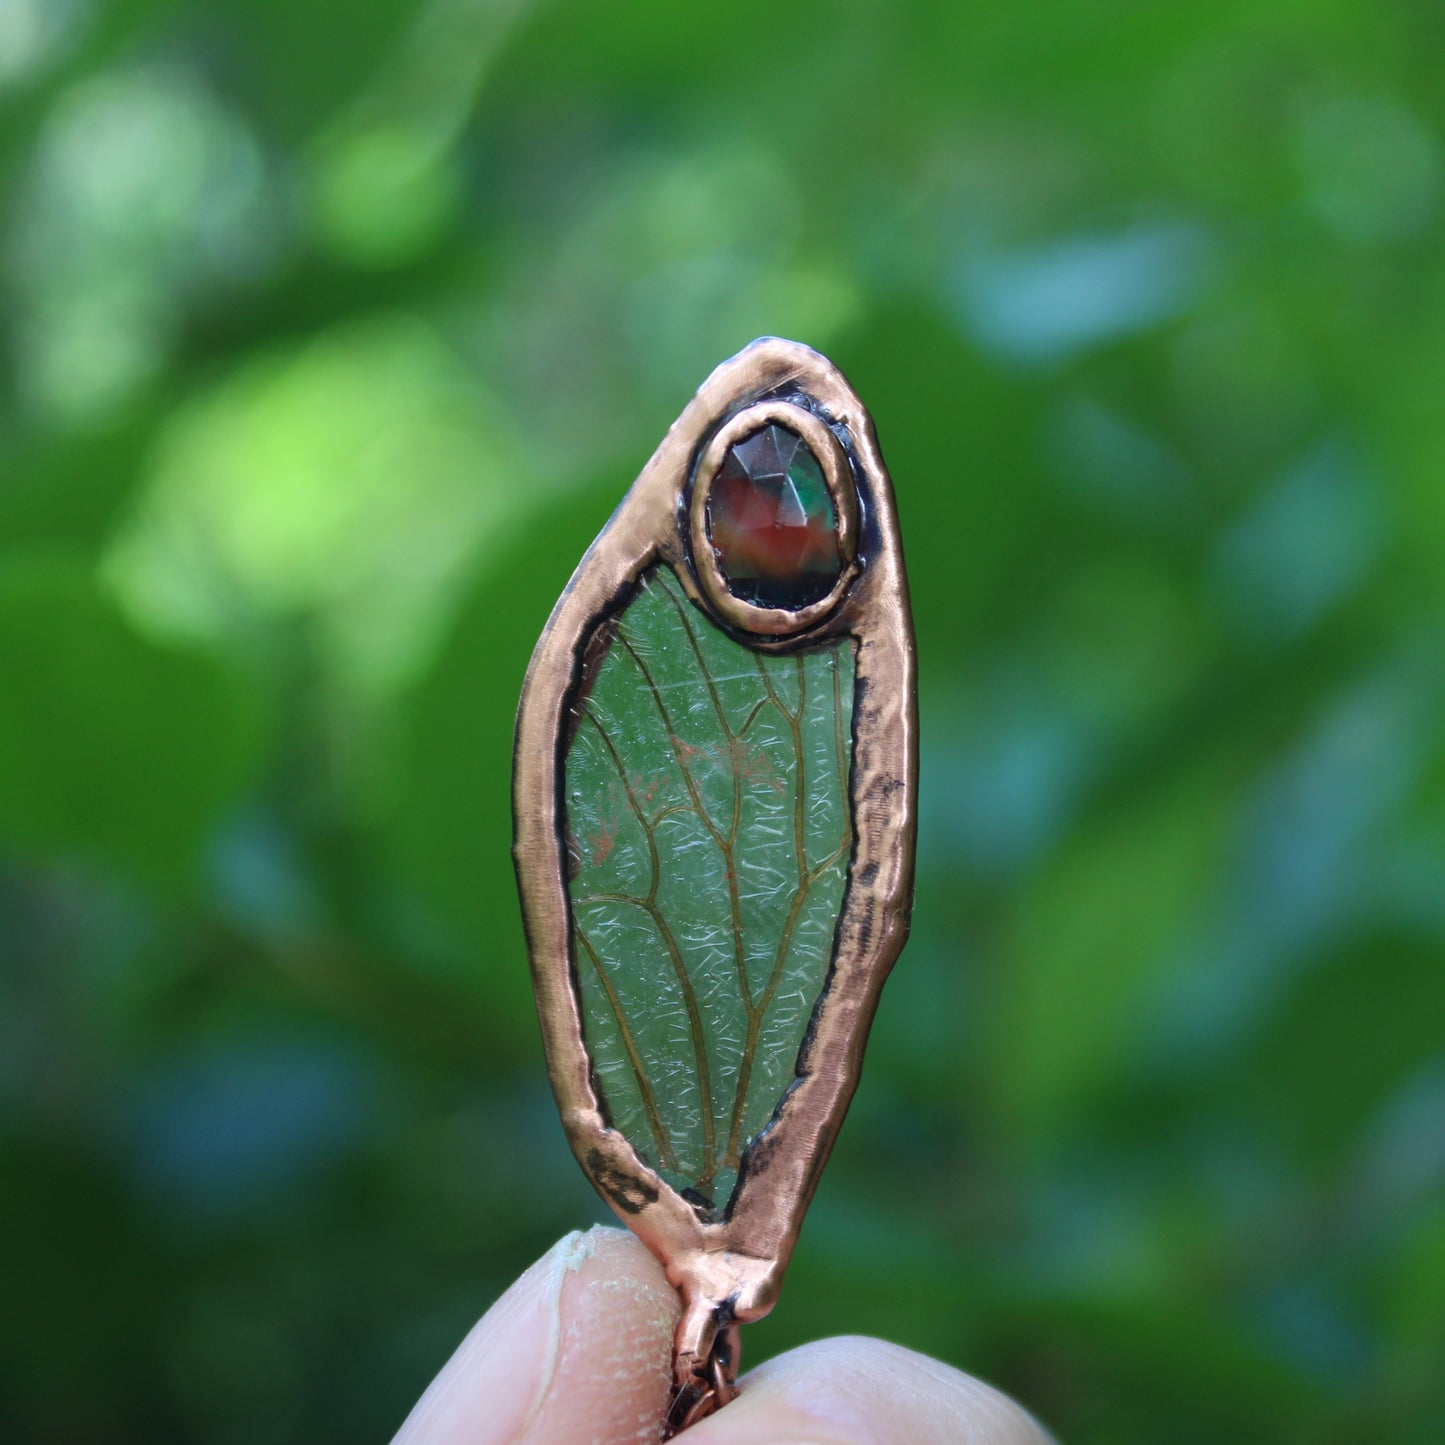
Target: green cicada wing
pixel 708 826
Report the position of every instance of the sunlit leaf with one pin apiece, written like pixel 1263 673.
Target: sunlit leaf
pixel 112 747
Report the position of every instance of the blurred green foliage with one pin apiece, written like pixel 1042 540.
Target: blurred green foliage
pixel 330 337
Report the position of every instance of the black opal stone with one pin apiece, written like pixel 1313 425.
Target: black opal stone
pixel 772 522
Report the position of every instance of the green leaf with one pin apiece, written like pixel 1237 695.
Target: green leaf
pixel 709 832
pixel 303 61
pixel 1344 1038
pixel 448 833
pixel 1098 929
pixel 112 746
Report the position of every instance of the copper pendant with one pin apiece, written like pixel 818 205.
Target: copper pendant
pixel 715 791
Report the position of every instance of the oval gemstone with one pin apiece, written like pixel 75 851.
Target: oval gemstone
pixel 772 522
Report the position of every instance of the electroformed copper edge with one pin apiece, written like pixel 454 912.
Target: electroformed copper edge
pixel 729 1272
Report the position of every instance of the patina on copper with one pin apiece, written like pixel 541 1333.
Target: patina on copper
pixel 728 1272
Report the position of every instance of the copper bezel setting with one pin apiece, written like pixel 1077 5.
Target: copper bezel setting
pixel 837 476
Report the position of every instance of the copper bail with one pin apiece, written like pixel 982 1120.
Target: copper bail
pixel 707 1378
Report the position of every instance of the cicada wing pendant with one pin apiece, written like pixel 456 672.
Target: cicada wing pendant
pixel 714 798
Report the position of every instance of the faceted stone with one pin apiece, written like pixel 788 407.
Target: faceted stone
pixel 772 523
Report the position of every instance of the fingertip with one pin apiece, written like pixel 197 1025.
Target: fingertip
pixel 579 1347
pixel 856 1391
pixel 614 1365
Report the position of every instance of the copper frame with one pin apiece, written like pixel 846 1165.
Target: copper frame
pixel 730 1271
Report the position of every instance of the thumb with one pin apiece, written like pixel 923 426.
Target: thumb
pixel 580 1348
pixel 854 1391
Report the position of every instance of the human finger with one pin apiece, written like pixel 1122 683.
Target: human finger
pixel 579 1348
pixel 855 1391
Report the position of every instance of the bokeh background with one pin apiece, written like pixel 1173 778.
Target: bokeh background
pixel 332 333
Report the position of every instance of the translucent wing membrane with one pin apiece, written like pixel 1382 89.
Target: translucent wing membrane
pixel 709 832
